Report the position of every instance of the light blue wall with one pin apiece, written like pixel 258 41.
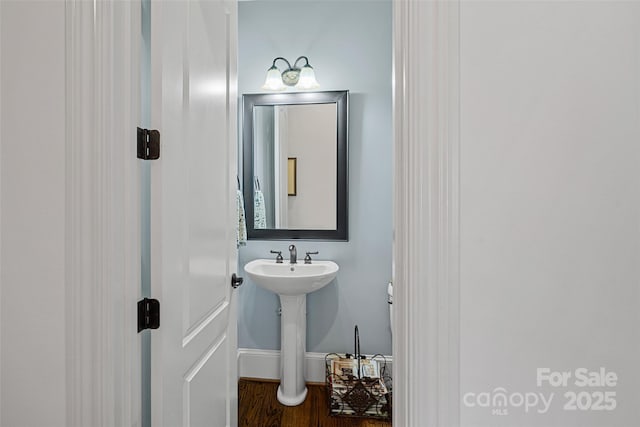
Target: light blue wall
pixel 349 45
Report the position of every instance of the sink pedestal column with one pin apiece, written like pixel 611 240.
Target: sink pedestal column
pixel 293 335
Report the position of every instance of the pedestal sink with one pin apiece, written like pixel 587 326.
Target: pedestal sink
pixel 292 283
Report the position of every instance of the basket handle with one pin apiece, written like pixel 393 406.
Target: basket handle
pixel 356 344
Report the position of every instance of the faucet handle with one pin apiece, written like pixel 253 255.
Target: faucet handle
pixel 279 257
pixel 307 259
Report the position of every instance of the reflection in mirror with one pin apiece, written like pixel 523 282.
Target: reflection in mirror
pixel 295 165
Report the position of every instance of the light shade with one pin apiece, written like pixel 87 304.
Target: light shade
pixel 273 80
pixel 307 78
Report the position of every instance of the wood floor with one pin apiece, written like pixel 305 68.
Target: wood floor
pixel 258 407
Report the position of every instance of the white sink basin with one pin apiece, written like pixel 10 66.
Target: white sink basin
pixel 291 279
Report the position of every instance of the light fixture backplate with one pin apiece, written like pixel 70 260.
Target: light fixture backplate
pixel 291 76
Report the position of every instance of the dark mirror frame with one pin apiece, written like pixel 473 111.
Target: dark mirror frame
pixel 341 99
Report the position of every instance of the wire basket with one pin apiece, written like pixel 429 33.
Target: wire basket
pixel 358 386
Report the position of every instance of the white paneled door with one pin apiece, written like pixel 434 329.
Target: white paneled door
pixel 193 237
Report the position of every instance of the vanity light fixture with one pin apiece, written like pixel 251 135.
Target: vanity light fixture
pixel 300 78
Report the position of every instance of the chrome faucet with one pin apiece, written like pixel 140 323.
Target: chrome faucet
pixel 293 254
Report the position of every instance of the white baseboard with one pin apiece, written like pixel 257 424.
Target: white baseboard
pixel 265 364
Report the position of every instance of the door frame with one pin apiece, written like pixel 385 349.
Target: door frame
pixel 103 201
pixel 426 213
pixel 102 211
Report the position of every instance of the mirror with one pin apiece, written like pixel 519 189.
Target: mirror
pixel 295 165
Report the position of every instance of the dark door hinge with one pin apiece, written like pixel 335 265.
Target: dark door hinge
pixel 148 144
pixel 148 314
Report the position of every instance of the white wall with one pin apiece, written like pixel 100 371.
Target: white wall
pixel 315 148
pixel 32 263
pixel 550 204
